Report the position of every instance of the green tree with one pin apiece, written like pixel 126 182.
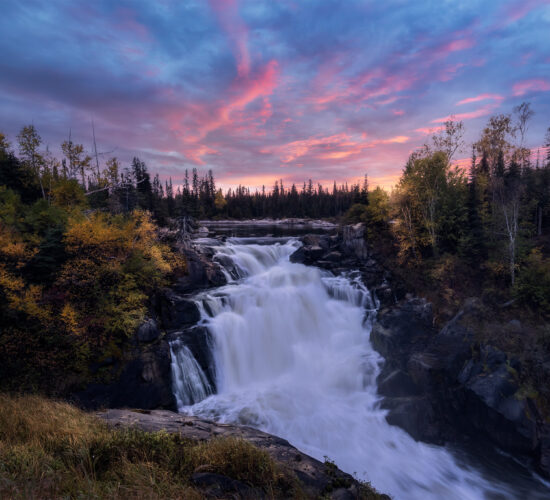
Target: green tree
pixel 29 143
pixel 79 162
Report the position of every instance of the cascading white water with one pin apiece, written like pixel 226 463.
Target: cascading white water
pixel 293 358
pixel 189 383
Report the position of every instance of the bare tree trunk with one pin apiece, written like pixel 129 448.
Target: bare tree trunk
pixel 510 211
pixel 408 221
pixel 512 251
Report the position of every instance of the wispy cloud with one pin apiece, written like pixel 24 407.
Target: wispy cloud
pixel 531 85
pixel 480 97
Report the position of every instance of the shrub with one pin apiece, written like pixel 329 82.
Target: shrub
pixel 533 283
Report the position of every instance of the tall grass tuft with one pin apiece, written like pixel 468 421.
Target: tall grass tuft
pixel 51 449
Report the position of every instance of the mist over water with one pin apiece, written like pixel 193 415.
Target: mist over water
pixel 293 358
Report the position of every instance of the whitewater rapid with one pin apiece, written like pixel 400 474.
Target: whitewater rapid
pixel 293 358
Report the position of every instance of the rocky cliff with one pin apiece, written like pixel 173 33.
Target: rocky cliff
pixel 439 384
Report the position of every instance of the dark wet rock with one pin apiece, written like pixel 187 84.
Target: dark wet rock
pixel 399 331
pixel 199 341
pixel 148 331
pixel 453 384
pixel 317 479
pixel 416 415
pixel 299 256
pixel 227 263
pixel 177 312
pixel 397 384
pixel 333 257
pixel 307 254
pixel 384 293
pixel 202 272
pixel 515 323
pixel 317 240
pixel 143 380
pixel 354 240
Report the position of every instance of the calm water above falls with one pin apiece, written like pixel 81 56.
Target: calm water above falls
pixel 293 358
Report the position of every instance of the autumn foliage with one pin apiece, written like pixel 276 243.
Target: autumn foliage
pixel 74 284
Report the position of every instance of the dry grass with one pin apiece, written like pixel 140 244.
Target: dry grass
pixel 53 450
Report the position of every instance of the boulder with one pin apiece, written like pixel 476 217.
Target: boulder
pixel 416 415
pixel 354 241
pixel 144 381
pixel 177 312
pixel 202 272
pixel 307 254
pixel 397 384
pixel 438 384
pixel 148 331
pixel 317 240
pixel 335 257
pixel 299 256
pixel 401 330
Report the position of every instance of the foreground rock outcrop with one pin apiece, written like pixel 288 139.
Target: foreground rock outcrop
pixel 318 480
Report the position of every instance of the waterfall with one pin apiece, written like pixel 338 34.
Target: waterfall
pixel 189 382
pixel 293 358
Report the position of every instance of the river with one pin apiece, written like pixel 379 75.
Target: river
pixel 293 358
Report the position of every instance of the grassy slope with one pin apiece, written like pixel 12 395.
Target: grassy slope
pixel 51 449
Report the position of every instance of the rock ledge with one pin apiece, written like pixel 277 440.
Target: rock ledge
pixel 317 478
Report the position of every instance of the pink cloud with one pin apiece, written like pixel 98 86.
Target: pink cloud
pixel 227 13
pixel 457 45
pixel 485 110
pixel 480 97
pixel 127 23
pixel 449 72
pixel 525 58
pixel 430 130
pixel 243 92
pixel 398 112
pixel 520 9
pixel 444 50
pixel 334 147
pixel 382 83
pixel 400 139
pixel 533 85
pixel 296 149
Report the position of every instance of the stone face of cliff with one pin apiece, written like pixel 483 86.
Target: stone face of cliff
pixel 438 384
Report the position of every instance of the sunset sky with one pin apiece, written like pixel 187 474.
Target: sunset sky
pixel 259 90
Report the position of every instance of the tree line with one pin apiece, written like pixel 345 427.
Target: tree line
pixel 83 178
pixel 492 217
